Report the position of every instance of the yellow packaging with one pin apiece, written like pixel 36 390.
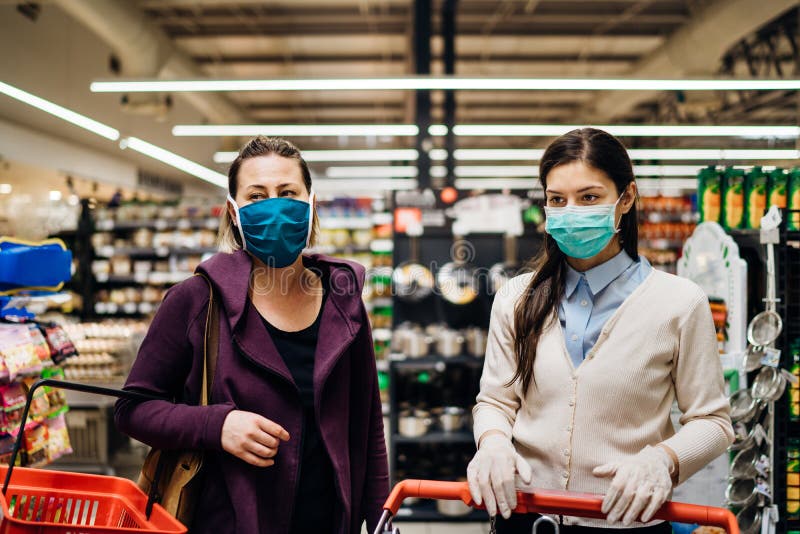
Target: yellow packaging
pixel 755 197
pixel 733 198
pixel 709 195
pixel 778 188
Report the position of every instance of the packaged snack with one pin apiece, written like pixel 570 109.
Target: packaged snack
pixel 61 347
pixel 778 188
pixel 58 444
pixel 755 197
pixel 40 405
pixel 793 200
pixel 17 353
pixel 35 442
pixel 56 399
pixel 733 195
pixel 6 447
pixel 13 399
pixel 40 345
pixel 709 195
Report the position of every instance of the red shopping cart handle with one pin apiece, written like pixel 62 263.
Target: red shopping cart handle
pixel 557 503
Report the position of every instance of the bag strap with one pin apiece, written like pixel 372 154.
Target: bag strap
pixel 210 344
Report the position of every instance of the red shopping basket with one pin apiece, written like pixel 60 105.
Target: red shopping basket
pixel 53 502
pixel 548 502
pixel 57 502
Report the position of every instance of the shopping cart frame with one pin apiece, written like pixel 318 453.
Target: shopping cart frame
pixel 548 502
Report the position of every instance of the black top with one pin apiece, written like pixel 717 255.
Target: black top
pixel 315 499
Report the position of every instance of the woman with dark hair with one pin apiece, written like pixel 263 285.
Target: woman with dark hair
pixel 293 431
pixel 586 355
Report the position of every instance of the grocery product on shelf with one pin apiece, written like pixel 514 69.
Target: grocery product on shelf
pixel 666 222
pixel 107 350
pixel 755 197
pixel 733 187
pixel 778 188
pixel 793 200
pixel 709 194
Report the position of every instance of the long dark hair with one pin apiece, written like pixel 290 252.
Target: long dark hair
pixel 538 304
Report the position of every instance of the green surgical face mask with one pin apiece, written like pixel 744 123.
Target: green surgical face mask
pixel 582 231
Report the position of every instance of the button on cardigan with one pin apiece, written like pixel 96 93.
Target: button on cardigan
pixel 658 347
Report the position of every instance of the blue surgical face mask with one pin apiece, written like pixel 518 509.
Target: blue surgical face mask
pixel 275 230
pixel 582 231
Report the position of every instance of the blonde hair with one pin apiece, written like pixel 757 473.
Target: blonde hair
pixel 228 239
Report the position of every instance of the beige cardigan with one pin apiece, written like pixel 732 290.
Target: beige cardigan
pixel 658 347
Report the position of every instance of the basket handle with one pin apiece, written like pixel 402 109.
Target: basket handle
pixel 552 502
pixel 74 386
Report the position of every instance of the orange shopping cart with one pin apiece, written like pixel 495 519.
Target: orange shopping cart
pixel 547 503
pixel 53 502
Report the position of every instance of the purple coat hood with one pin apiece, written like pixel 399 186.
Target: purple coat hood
pixel 252 376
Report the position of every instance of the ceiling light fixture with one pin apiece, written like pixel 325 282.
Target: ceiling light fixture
pixel 388 171
pixel 356 186
pixel 179 162
pixel 313 156
pixel 648 130
pixel 636 154
pixel 444 83
pixel 63 113
pixel 294 130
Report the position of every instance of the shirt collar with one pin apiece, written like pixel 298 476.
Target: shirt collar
pixel 598 277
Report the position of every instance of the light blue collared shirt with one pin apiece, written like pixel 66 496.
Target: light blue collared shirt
pixel 591 298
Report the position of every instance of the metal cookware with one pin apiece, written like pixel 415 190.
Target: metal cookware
pixel 749 519
pixel 744 463
pixel 458 280
pixel 765 327
pixel 448 343
pixel 452 418
pixel 743 406
pixel 768 385
pixel 454 508
pixel 752 358
pixel 475 339
pixel 741 492
pixel 412 280
pixel 414 423
pixel 500 273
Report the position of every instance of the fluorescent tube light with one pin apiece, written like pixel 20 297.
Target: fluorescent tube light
pixel 667 170
pixel 354 187
pixel 488 171
pixel 706 154
pixel 649 130
pixel 447 83
pixel 438 130
pixel 340 155
pixel 5 189
pixel 372 172
pixel 662 184
pixel 491 183
pixel 61 112
pixel 295 130
pixel 179 162
pixel 55 195
pixel 438 154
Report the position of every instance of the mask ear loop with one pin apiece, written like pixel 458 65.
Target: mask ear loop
pixel 617 228
pixel 238 221
pixel 310 217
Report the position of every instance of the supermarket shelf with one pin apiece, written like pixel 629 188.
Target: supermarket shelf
pixel 330 250
pixel 153 252
pixel 78 398
pixel 426 511
pixel 400 361
pixel 345 223
pixel 209 223
pixel 155 279
pixel 436 437
pixel 129 309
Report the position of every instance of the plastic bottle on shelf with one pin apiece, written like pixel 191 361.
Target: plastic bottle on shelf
pixel 733 187
pixel 709 195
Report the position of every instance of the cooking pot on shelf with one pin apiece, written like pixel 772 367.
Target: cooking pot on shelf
pixel 414 423
pixel 448 343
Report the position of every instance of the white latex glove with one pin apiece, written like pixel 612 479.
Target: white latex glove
pixel 640 486
pixel 491 474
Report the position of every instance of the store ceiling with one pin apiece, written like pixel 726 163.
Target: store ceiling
pixel 56 56
pixel 318 38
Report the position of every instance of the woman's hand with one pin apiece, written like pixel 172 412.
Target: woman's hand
pixel 491 474
pixel 252 438
pixel 641 485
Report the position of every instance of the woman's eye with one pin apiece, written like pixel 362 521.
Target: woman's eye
pixel 256 196
pixel 555 200
pixel 288 193
pixel 589 198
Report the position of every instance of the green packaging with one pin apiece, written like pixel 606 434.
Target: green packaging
pixel 793 199
pixel 709 195
pixel 755 197
pixel 733 182
pixel 778 188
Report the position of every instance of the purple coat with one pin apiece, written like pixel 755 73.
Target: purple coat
pixel 252 376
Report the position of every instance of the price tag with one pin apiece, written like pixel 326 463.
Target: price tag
pixel 772 357
pixel 105 225
pixel 161 224
pixel 763 488
pixel 101 277
pixel 162 252
pixel 105 251
pixel 140 277
pixel 129 307
pixel 184 224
